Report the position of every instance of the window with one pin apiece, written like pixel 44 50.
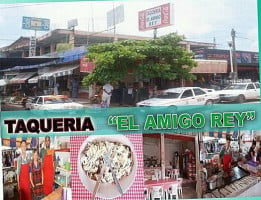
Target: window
pixel 35 100
pixel 40 101
pixel 257 85
pixel 198 91
pixel 250 86
pixel 187 93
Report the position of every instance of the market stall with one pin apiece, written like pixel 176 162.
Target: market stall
pixel 231 149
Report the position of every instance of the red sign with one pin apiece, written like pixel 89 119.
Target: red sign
pixel 156 17
pixel 86 66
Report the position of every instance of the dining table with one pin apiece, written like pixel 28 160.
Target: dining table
pixel 165 183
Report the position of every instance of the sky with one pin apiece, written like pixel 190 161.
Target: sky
pixel 197 20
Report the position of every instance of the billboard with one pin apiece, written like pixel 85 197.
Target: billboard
pixel 243 57
pixel 38 24
pixel 115 16
pixel 156 17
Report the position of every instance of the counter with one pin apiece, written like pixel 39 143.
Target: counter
pixel 55 195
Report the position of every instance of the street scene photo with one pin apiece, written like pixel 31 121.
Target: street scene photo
pixel 101 56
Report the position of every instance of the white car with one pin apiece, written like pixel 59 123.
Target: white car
pixel 180 96
pixel 240 92
pixel 52 102
pixel 214 94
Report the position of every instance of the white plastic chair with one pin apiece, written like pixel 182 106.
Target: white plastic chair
pixel 180 192
pixel 176 174
pixel 173 191
pixel 157 192
pixel 170 173
pixel 146 194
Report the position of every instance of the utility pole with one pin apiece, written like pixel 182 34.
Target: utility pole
pixel 214 42
pixel 154 33
pixel 233 35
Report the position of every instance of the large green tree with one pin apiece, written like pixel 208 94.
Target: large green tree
pixel 163 57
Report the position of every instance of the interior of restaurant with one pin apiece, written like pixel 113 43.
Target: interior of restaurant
pixel 169 158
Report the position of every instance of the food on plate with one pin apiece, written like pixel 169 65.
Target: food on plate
pixel 92 160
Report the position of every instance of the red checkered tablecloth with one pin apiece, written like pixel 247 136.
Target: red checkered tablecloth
pixel 136 191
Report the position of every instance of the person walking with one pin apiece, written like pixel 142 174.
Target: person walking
pixel 106 95
pixel 23 179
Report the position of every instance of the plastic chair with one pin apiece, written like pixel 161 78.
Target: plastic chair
pixel 173 191
pixel 176 174
pixel 180 192
pixel 170 173
pixel 146 194
pixel 166 192
pixel 157 192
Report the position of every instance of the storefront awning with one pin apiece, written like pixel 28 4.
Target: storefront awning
pixel 21 78
pixel 33 80
pixel 210 67
pixel 3 82
pixel 57 72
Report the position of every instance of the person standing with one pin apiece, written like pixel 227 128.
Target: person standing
pixel 106 95
pixel 36 177
pixel 226 157
pixel 23 178
pixel 48 160
pixel 258 157
pixel 56 89
pixel 251 152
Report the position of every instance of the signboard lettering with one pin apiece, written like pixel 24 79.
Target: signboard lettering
pixel 38 24
pixel 156 17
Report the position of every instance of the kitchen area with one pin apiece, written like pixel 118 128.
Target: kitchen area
pixel 244 172
pixel 196 159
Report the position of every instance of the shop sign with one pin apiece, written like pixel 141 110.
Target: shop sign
pixel 38 24
pixel 86 66
pixel 156 17
pixel 32 46
pixel 243 57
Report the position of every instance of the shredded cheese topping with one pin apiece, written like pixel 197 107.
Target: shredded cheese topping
pixel 92 160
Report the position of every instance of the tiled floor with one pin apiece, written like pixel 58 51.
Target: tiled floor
pixel 189 191
pixel 253 191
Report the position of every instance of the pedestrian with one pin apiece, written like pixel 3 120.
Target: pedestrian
pixel 48 159
pixel 36 177
pixel 23 178
pixel 106 95
pixel 56 89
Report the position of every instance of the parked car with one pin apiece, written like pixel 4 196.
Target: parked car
pixel 52 102
pixel 214 93
pixel 240 92
pixel 180 96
